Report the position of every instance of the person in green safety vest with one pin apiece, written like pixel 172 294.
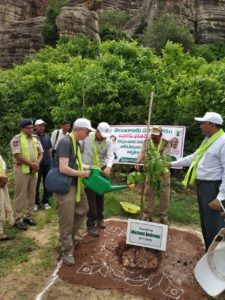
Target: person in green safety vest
pixel 72 207
pixel 97 150
pixel 27 155
pixel 207 172
pixel 161 147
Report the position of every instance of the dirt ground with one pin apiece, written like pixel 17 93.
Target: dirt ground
pixel 108 263
pixel 98 276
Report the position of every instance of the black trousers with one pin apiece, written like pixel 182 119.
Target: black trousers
pixel 42 173
pixel 211 221
pixel 96 207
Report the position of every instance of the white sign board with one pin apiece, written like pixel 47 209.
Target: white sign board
pixel 147 234
pixel 128 140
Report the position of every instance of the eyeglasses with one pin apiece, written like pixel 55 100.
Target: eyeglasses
pixel 29 127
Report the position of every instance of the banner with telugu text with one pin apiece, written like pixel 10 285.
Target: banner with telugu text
pixel 128 140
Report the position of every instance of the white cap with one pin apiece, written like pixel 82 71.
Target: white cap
pixel 39 122
pixel 83 123
pixel 156 130
pixel 208 279
pixel 104 129
pixel 211 117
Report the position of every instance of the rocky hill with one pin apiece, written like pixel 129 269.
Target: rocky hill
pixel 21 24
pixel 205 18
pixel 21 21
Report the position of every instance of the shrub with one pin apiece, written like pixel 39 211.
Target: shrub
pixel 167 28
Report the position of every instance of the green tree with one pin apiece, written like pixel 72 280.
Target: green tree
pixel 211 52
pixel 141 28
pixel 111 82
pixel 113 18
pixel 111 24
pixel 49 31
pixel 167 28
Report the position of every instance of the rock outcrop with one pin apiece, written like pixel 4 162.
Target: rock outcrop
pixel 19 10
pixel 210 20
pixel 21 27
pixel 205 18
pixel 78 21
pixel 19 39
pixel 21 21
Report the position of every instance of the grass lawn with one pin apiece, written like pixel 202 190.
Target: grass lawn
pixel 183 206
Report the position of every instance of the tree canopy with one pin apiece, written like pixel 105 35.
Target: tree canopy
pixel 111 82
pixel 167 28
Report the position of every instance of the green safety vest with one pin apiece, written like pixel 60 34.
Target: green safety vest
pixel 156 150
pixel 25 151
pixel 192 171
pixel 96 160
pixel 80 167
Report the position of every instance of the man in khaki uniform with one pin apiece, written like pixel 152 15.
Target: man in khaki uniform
pixel 28 153
pixel 163 147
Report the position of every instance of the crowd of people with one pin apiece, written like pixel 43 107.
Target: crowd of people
pixel 74 153
pixel 34 154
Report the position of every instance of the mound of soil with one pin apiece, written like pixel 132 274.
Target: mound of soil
pixel 136 257
pixel 108 263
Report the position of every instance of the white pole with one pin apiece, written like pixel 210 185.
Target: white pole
pixel 149 114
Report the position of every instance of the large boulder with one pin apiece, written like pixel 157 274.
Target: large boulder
pixel 78 21
pixel 20 10
pixel 210 20
pixel 19 39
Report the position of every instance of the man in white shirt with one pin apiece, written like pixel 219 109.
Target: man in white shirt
pixel 58 135
pixel 97 150
pixel 207 166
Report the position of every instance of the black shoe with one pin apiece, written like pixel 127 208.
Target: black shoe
pixel 30 221
pixel 21 225
pixel 93 232
pixel 7 238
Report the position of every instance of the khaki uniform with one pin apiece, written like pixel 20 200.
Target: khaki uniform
pixel 25 184
pixel 149 194
pixel 71 215
pixel 6 212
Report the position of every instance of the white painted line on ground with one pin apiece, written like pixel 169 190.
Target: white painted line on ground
pixel 59 264
pixel 51 282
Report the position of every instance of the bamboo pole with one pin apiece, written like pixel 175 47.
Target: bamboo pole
pixel 146 145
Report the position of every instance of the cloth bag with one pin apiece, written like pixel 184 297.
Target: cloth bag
pixel 58 183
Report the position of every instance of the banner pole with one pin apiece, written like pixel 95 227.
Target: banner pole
pixel 146 148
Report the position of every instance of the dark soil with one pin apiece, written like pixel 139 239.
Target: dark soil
pixel 108 263
pixel 136 257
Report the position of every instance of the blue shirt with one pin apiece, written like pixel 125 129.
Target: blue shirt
pixel 46 145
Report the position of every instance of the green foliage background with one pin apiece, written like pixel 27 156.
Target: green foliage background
pixel 167 28
pixel 111 82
